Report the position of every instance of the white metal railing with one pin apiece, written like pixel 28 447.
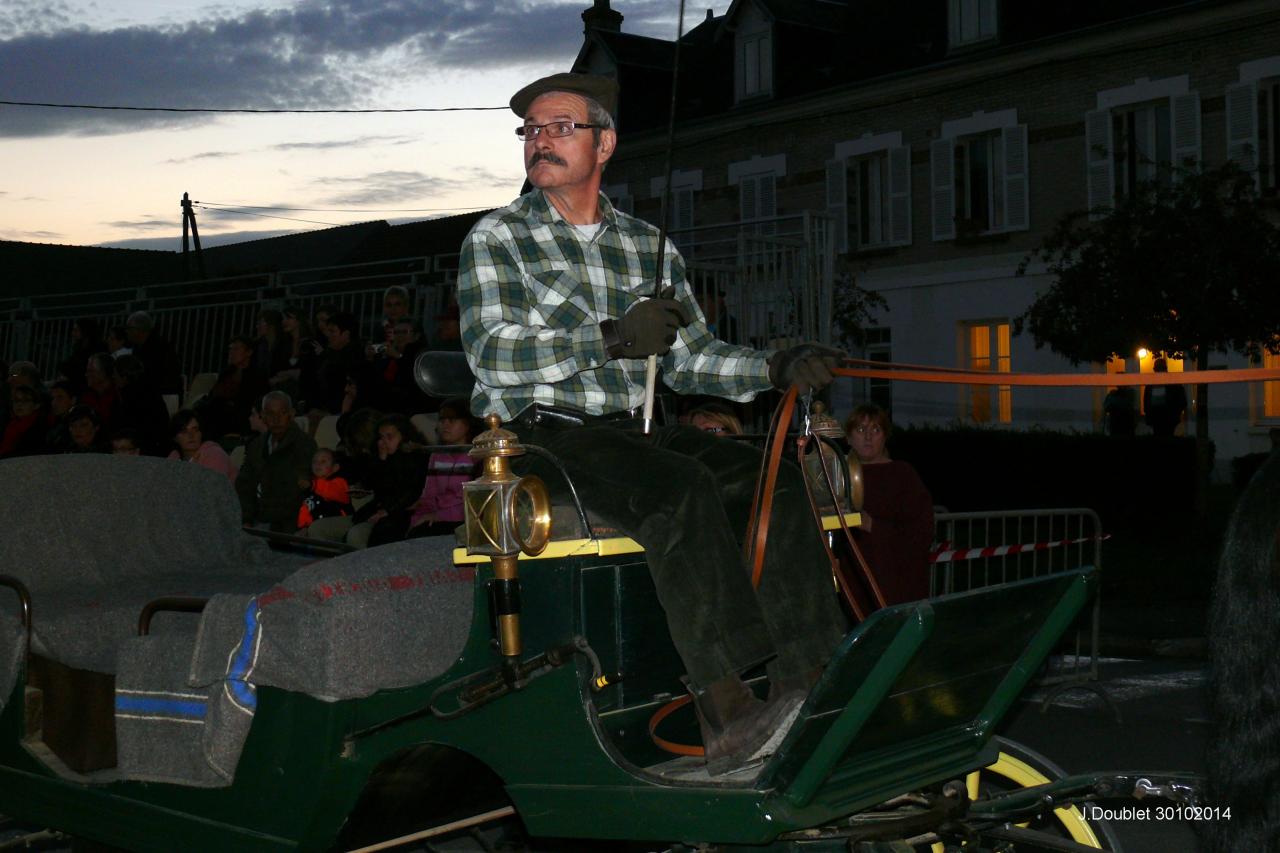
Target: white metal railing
pixel 772 280
pixel 775 275
pixel 201 316
pixel 1075 534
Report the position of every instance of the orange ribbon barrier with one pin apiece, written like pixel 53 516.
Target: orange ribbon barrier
pixel 960 376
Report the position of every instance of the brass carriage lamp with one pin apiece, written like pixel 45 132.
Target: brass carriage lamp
pixel 825 465
pixel 505 515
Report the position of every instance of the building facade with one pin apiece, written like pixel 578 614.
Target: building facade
pixel 941 142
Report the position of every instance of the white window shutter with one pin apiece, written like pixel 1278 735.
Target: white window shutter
pixel 1186 130
pixel 748 203
pixel 942 160
pixel 1016 177
pixel 900 196
pixel 766 65
pixel 1100 165
pixel 683 208
pixel 1242 126
pixel 838 202
pixel 768 201
pixel 768 195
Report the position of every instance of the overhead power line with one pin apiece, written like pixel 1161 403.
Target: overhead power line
pixel 267 216
pixel 219 204
pixel 244 110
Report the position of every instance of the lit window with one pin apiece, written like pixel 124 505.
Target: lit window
pixel 1271 390
pixel 988 350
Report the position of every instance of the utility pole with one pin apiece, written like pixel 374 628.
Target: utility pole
pixel 189 217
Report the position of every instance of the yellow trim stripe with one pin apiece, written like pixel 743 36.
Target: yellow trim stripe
pixel 609 547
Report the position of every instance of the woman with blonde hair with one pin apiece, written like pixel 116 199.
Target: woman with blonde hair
pixel 715 418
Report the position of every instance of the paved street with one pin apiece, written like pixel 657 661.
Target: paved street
pixel 1163 726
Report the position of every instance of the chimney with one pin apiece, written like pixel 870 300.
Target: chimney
pixel 601 17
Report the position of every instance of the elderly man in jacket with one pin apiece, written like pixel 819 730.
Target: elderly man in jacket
pixel 276 472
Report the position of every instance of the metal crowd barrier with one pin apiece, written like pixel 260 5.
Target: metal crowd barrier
pixel 979 549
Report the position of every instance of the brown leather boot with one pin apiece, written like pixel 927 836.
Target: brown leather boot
pixel 800 682
pixel 737 728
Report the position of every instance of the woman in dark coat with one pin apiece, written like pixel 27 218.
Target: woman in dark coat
pixel 23 434
pixel 86 339
pixel 897 511
pixel 396 476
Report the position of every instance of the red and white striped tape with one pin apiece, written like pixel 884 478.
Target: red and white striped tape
pixel 947 556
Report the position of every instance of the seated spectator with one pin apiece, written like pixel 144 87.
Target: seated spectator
pixel 395 307
pixel 438 511
pixel 715 418
pixel 188 435
pixel 117 342
pixel 25 373
pixel 272 348
pixel 343 356
pixel 355 394
pixel 358 434
pixel 396 390
pixel 309 352
pixel 86 339
pixel 100 392
pixel 162 366
pixel 23 434
pixel 897 510
pixel 256 426
pixel 329 495
pixel 274 463
pixel 85 428
pixel 126 442
pixel 448 334
pixel 395 477
pixel 140 406
pixel 225 409
pixel 297 331
pixel 61 400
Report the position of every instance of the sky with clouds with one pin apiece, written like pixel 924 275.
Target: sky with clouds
pixel 90 177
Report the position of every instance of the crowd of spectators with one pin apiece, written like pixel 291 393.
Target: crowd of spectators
pixel 379 484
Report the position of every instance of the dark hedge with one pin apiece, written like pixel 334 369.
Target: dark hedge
pixel 1128 481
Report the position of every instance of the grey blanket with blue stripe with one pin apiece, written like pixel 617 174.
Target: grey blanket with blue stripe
pixel 387 617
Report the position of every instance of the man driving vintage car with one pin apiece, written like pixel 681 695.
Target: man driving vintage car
pixel 557 324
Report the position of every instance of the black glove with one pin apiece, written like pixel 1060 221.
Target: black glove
pixel 806 365
pixel 648 328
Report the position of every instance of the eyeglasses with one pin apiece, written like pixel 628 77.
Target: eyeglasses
pixel 713 429
pixel 555 129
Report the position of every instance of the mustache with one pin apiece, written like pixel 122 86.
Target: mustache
pixel 539 156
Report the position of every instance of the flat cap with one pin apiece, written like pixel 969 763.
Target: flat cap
pixel 603 90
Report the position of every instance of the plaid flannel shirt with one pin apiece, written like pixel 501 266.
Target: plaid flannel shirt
pixel 532 292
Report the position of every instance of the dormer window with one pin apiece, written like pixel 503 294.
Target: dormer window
pixel 753 52
pixel 972 22
pixel 756 65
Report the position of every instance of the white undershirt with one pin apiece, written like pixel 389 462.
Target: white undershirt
pixel 589 232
